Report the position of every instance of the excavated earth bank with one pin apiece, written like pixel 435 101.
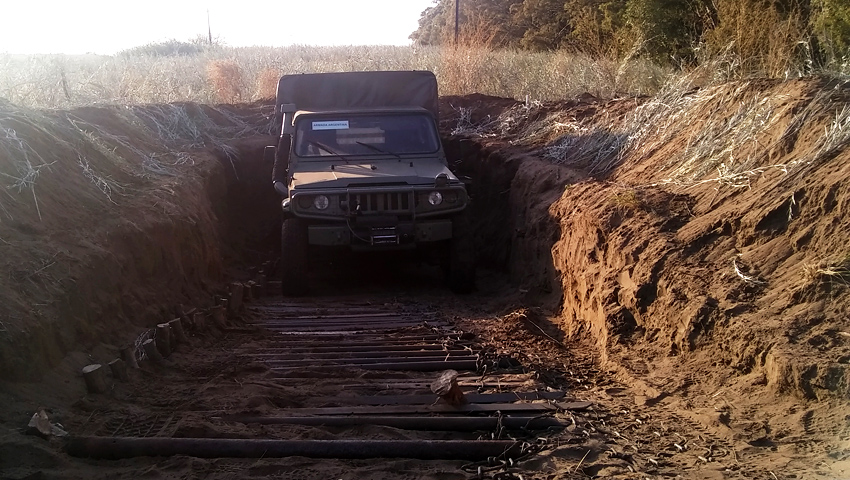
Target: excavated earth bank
pixel 709 266
pixel 696 243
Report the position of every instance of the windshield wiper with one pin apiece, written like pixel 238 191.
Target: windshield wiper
pixel 326 148
pixel 377 149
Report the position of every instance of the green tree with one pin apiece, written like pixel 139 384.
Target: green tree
pixel 669 29
pixel 436 24
pixel 544 23
pixel 830 22
pixel 597 26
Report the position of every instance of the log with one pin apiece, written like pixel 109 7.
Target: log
pixel 163 339
pixel 95 379
pixel 236 293
pixel 127 447
pixel 178 334
pixel 151 351
pixel 128 354
pixel 447 388
pixel 119 370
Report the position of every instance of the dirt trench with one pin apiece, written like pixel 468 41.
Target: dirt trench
pixel 621 290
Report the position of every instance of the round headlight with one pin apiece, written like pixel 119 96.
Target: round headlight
pixel 435 198
pixel 304 201
pixel 321 202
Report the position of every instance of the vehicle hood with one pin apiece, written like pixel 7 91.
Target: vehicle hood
pixel 310 175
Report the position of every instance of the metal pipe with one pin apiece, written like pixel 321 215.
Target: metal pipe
pixel 126 447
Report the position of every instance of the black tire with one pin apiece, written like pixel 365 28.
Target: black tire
pixel 293 257
pixel 461 267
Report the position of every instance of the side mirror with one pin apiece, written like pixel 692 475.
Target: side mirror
pixel 268 155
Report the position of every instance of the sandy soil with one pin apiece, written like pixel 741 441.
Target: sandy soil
pixel 704 313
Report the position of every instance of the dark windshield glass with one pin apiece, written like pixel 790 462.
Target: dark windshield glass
pixel 351 135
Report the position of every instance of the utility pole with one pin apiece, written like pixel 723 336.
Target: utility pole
pixel 457 20
pixel 209 27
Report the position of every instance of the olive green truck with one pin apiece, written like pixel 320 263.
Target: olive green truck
pixel 359 165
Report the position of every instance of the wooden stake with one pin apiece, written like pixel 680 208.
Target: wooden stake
pixel 236 295
pixel 119 370
pixel 219 317
pixel 178 334
pixel 95 379
pixel 163 339
pixel 200 321
pixel 447 388
pixel 128 354
pixel 152 352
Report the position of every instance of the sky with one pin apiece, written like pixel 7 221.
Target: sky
pixel 108 26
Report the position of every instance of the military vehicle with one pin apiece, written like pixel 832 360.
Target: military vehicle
pixel 359 165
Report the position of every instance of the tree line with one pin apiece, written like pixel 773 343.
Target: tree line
pixel 762 34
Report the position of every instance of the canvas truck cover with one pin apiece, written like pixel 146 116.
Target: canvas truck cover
pixel 350 90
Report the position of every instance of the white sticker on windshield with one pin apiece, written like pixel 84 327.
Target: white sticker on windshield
pixel 331 125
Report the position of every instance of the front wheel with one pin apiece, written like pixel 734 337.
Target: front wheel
pixel 293 257
pixel 461 267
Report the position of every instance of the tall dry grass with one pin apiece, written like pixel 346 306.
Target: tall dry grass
pixel 222 74
pixel 712 130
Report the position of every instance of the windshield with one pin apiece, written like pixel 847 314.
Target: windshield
pixel 352 135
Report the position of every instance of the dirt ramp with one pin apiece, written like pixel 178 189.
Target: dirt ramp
pixel 110 216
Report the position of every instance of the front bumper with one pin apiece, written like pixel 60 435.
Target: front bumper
pixel 379 235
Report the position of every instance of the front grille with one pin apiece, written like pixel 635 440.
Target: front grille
pixel 392 202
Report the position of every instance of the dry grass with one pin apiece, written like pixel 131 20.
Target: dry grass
pixel 223 74
pixel 226 80
pixel 626 200
pixel 723 132
pixel 835 269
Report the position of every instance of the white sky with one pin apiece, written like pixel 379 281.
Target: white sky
pixel 107 26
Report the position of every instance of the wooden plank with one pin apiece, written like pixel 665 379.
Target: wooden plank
pixel 354 348
pixel 421 422
pixel 471 387
pixel 367 360
pixel 365 315
pixel 576 406
pixel 348 328
pixel 332 325
pixel 414 409
pixel 344 340
pixel 432 398
pixel 397 366
pixel 345 355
